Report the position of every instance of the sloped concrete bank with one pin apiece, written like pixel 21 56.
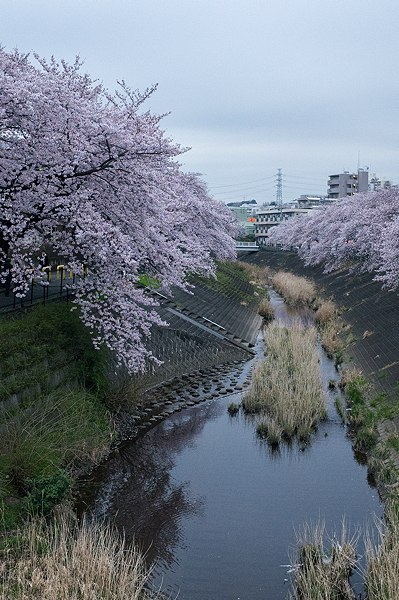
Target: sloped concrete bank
pixel 209 333
pixel 371 312
pixel 205 328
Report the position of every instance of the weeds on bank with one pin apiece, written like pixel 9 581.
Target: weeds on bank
pixel 331 331
pixel 323 565
pixel 256 275
pixel 66 560
pixel 265 310
pixel 364 413
pixel 41 444
pixel 286 387
pixel 49 433
pixel 37 340
pixel 382 574
pixel 227 275
pixel 296 291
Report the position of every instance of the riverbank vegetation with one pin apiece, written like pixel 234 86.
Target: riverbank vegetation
pixel 286 389
pixel 323 564
pixel 63 559
pixel 237 280
pixel 265 310
pixel 382 574
pixel 296 291
pixel 54 421
pixel 332 330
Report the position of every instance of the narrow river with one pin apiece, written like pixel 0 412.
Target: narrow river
pixel 216 509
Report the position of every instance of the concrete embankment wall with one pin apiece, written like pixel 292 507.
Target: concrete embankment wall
pixel 206 327
pixel 372 313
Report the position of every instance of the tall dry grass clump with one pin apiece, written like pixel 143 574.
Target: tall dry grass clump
pixel 382 575
pixel 257 275
pixel 66 561
pixel 287 385
pixel 330 338
pixel 296 291
pixel 323 565
pixel 326 312
pixel 265 310
pixel 331 328
pixel 349 376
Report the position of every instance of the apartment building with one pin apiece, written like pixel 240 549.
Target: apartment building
pixel 347 184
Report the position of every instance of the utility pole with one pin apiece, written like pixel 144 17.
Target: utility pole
pixel 279 192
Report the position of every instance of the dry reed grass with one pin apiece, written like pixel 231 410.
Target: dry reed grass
pixel 323 565
pixel 350 375
pixel 287 384
pixel 257 275
pixel 296 291
pixel 382 575
pixel 326 312
pixel 329 337
pixel 66 561
pixel 265 310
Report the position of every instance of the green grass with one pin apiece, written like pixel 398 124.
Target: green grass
pixel 54 431
pixel 226 281
pixel 43 339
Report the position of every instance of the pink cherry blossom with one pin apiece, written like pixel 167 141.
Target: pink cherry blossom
pixel 93 174
pixel 360 231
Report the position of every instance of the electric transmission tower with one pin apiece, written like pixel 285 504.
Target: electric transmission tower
pixel 279 192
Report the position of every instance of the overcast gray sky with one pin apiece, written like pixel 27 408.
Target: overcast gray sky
pixel 308 86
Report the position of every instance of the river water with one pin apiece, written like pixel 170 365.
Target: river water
pixel 216 509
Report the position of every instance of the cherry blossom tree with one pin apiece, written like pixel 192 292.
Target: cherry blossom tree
pixel 92 174
pixel 360 231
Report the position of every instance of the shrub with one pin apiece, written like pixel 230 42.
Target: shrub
pixel 46 492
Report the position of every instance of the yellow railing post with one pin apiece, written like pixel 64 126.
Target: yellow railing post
pixel 46 271
pixel 58 270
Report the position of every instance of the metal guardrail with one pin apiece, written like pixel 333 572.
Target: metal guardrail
pixel 42 288
pixel 247 246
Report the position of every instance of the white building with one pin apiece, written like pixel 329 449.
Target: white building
pixel 270 217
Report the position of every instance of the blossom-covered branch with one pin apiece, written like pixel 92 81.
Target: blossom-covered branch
pixel 361 231
pixel 84 171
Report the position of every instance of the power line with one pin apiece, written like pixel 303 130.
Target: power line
pixel 256 188
pixel 243 183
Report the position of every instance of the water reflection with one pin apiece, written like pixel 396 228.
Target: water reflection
pixel 138 491
pixel 217 508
